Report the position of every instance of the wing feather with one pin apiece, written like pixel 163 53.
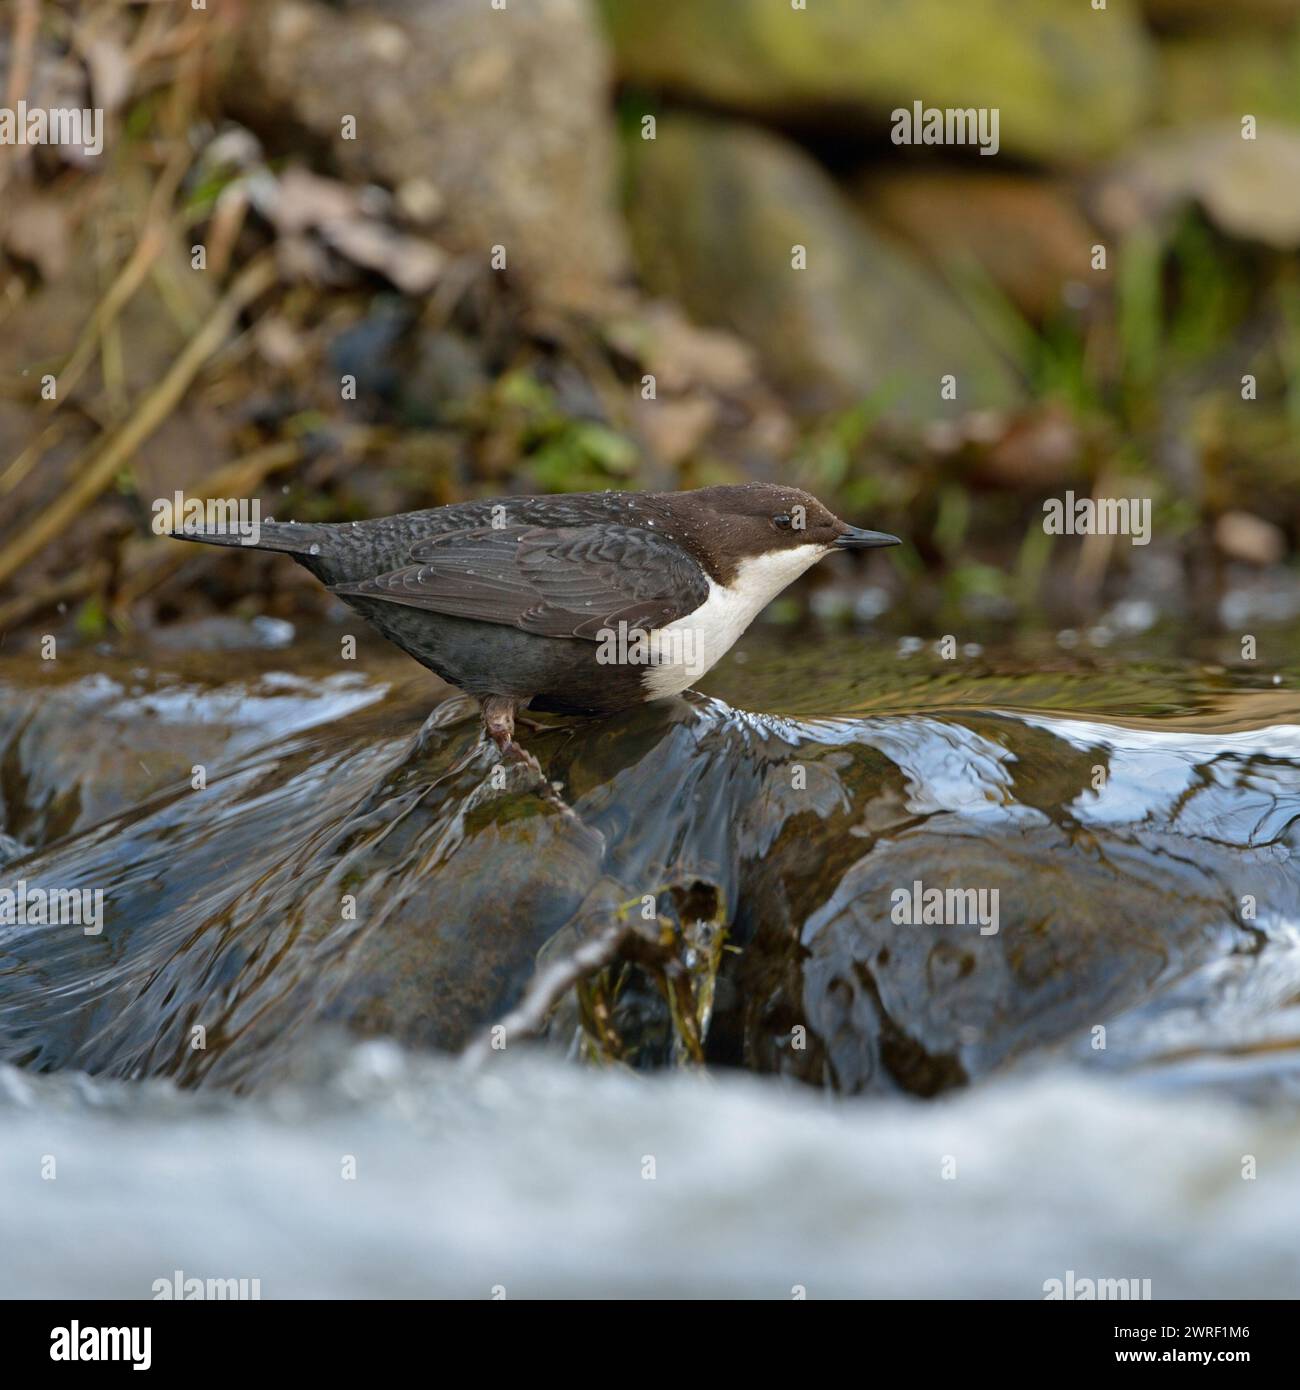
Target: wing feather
pixel 568 581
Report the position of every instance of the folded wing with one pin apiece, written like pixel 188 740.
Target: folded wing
pixel 561 582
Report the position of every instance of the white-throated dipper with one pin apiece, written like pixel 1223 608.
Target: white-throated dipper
pixel 581 603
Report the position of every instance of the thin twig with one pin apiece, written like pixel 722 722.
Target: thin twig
pixel 545 991
pixel 120 293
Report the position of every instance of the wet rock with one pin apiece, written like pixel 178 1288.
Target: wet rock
pixel 924 1008
pixel 1027 235
pixel 501 114
pixel 716 212
pixel 1070 81
pixel 367 872
pixel 77 748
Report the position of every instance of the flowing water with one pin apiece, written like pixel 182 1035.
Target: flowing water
pixel 1091 1062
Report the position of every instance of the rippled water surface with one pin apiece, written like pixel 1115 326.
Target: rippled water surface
pixel 1126 1025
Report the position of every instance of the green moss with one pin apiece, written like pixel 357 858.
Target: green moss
pixel 1070 82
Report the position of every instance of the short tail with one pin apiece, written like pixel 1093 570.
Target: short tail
pixel 292 537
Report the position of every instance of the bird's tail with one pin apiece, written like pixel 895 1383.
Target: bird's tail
pixel 292 537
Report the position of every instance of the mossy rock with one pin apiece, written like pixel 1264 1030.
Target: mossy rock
pixel 1070 81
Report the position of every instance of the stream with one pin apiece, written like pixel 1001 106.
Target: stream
pixel 936 977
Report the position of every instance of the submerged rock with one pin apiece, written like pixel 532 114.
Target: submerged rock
pixel 78 748
pixel 11 849
pixel 351 868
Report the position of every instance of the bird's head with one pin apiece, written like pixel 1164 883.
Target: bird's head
pixel 765 526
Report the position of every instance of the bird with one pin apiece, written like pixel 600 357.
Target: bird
pixel 569 603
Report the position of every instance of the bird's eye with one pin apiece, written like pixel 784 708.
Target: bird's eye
pixel 782 522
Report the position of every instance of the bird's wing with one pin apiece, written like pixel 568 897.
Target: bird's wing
pixel 568 581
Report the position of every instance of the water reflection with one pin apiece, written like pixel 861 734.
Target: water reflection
pixel 344 866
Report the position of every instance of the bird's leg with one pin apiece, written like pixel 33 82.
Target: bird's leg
pixel 512 712
pixel 499 713
pixel 499 722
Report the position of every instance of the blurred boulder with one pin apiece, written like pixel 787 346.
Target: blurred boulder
pixel 1248 188
pixel 1070 81
pixel 716 211
pixel 496 119
pixel 1026 234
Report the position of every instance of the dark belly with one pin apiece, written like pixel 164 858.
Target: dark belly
pixel 561 675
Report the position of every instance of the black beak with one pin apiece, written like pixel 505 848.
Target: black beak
pixel 855 538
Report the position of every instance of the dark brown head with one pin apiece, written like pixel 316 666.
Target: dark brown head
pixel 786 528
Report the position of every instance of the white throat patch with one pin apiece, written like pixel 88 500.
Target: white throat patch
pixel 686 649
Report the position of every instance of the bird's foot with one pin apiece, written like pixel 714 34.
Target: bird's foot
pixel 499 725
pixel 499 716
